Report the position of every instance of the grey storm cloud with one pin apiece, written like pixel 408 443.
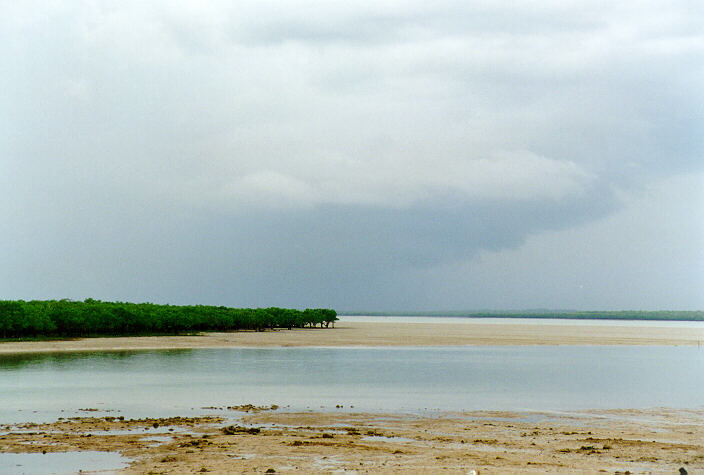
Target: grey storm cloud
pixel 259 153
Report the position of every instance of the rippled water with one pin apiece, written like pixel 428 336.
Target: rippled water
pixel 163 383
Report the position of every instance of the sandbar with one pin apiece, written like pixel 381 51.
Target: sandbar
pixel 359 334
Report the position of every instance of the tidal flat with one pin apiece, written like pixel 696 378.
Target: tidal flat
pixel 274 441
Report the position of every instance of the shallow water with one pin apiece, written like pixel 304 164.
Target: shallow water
pixel 182 382
pixel 523 321
pixel 60 463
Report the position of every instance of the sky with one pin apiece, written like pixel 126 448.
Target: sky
pixel 381 155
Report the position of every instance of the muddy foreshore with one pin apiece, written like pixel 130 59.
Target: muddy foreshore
pixel 246 439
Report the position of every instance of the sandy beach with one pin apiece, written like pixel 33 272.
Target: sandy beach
pixel 352 333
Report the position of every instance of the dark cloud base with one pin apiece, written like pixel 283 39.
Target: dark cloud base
pixel 340 256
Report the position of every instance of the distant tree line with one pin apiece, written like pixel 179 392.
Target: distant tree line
pixel 680 315
pixel 67 318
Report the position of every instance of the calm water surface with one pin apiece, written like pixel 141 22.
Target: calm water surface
pixel 697 325
pixel 60 463
pixel 163 383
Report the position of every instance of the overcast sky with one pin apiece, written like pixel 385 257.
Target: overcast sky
pixel 376 155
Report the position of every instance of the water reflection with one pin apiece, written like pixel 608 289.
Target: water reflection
pixel 66 359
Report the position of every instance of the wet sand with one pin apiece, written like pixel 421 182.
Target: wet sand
pixel 644 441
pixel 350 333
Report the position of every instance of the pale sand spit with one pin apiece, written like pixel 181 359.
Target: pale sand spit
pixel 350 333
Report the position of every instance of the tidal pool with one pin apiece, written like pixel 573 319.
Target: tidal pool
pixel 184 382
pixel 60 463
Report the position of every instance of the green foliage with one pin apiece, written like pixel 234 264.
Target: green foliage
pixel 66 318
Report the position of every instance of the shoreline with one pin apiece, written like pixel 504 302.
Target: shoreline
pixel 246 439
pixel 349 333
